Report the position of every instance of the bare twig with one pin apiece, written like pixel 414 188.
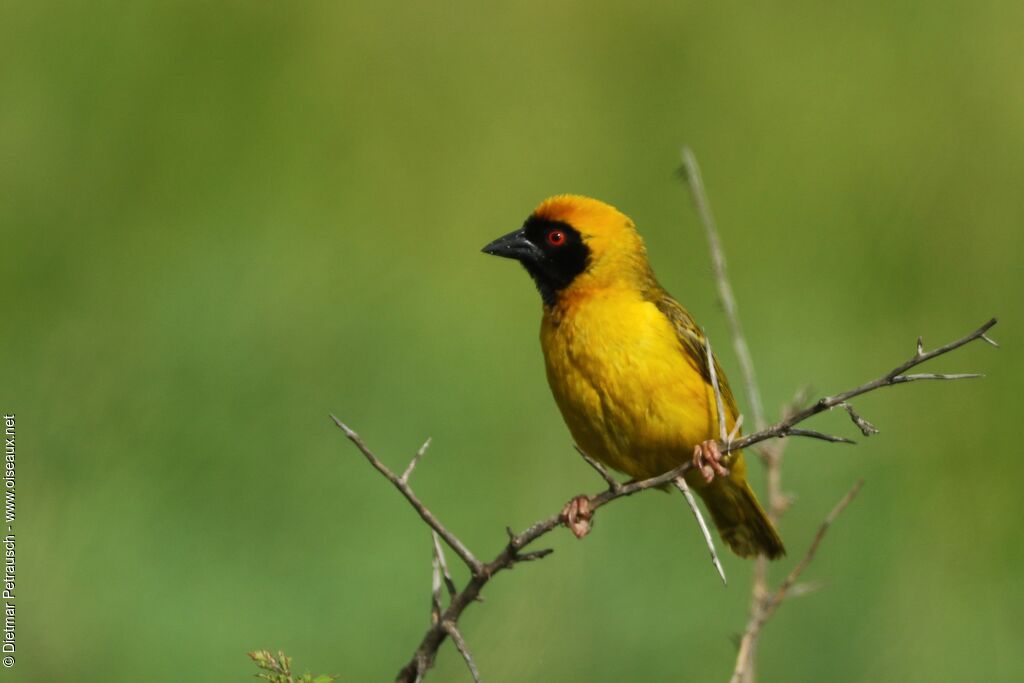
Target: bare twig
pixel 812 434
pixel 439 554
pixel 801 589
pixel 460 645
pixel 771 457
pixel 771 603
pixel 510 555
pixel 415 460
pixel 901 379
pixel 435 586
pixel 453 542
pixel 865 427
pixel 535 555
pixel 680 483
pixel 700 200
pixel 778 502
pixel 895 376
pixel 722 436
pixel 736 427
pixel 613 483
pixel 791 579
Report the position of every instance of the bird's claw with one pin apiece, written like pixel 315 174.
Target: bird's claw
pixel 576 515
pixel 707 458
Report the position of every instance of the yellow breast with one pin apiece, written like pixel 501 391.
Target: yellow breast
pixel 630 395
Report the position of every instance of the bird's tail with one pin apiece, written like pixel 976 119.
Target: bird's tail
pixel 740 519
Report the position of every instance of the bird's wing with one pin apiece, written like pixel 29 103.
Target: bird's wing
pixel 693 342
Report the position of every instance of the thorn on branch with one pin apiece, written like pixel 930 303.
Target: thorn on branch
pixel 345 428
pixel 534 555
pixel 439 553
pixel 680 483
pixel 736 427
pixel 806 588
pixel 436 608
pixel 810 433
pixel 865 427
pixel 463 649
pixel 894 376
pixel 415 460
pixel 613 484
pixel 901 379
pixel 719 406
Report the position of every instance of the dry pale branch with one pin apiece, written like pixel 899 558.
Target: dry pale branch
pixel 460 645
pixel 442 565
pixel 415 461
pixel 722 436
pixel 691 171
pixel 768 604
pixel 680 483
pixel 511 554
pixel 762 604
pixel 778 503
pixel 786 427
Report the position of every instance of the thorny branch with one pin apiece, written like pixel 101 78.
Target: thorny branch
pixel 444 620
pixel 512 553
pixel 787 426
pixel 763 604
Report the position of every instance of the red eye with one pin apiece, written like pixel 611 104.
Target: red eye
pixel 556 238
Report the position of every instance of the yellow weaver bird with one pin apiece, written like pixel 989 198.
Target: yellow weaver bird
pixel 628 365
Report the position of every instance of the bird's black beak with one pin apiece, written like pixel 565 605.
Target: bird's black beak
pixel 515 245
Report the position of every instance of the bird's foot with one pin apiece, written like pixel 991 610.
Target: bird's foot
pixel 576 515
pixel 707 458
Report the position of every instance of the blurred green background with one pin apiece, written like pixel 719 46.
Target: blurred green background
pixel 222 221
